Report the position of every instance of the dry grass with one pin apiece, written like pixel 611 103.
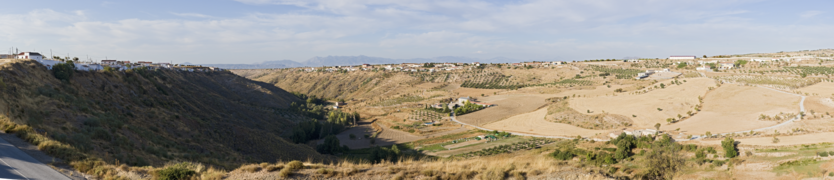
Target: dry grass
pixel 519 165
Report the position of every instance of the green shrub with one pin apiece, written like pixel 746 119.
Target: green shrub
pixel 718 163
pixel 729 146
pixel 562 155
pixel 63 71
pixel 175 173
pixel 823 154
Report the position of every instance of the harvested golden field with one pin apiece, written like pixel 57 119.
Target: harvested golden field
pixel 505 106
pixel 822 89
pixel 673 100
pixel 733 108
pixel 534 123
pixel 818 107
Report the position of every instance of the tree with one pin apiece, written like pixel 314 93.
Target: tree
pixel 705 56
pixel 657 126
pixel 331 145
pixel 775 140
pixel 662 164
pixel 662 85
pixel 708 134
pixel 729 145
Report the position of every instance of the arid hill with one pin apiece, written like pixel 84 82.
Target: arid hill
pixel 150 117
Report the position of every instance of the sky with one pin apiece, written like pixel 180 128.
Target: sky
pixel 250 31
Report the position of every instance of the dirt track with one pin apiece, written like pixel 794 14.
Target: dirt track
pixel 784 140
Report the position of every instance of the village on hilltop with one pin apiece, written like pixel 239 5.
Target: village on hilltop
pixel 115 64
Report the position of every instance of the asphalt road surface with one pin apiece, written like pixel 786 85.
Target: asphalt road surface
pixel 15 164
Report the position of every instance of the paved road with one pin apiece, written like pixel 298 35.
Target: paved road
pixel 15 164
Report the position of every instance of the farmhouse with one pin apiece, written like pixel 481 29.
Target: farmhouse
pixel 144 63
pixel 30 55
pixel 725 65
pixel 463 100
pixel 108 62
pixel 632 60
pixel 681 57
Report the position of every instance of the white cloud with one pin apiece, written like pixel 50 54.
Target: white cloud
pixel 810 14
pixel 196 15
pixel 397 28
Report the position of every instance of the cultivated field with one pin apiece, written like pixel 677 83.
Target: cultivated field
pixel 386 138
pixel 673 100
pixel 506 106
pixel 733 108
pixel 534 123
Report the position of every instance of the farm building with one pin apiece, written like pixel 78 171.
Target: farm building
pixel 681 57
pixel 30 55
pixel 725 65
pixel 463 100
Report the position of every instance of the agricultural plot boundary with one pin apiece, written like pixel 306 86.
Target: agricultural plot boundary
pixel 521 134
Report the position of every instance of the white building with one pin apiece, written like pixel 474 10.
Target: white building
pixel 463 100
pixel 681 57
pixel 30 55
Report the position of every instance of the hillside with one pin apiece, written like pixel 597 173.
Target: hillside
pixel 150 117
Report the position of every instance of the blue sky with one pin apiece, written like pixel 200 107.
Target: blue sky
pixel 248 31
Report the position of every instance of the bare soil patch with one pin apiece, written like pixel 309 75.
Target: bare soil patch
pixel 673 100
pixel 819 107
pixel 535 123
pixel 733 108
pixel 505 107
pixel 559 112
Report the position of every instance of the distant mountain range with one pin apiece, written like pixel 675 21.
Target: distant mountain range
pixel 354 60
